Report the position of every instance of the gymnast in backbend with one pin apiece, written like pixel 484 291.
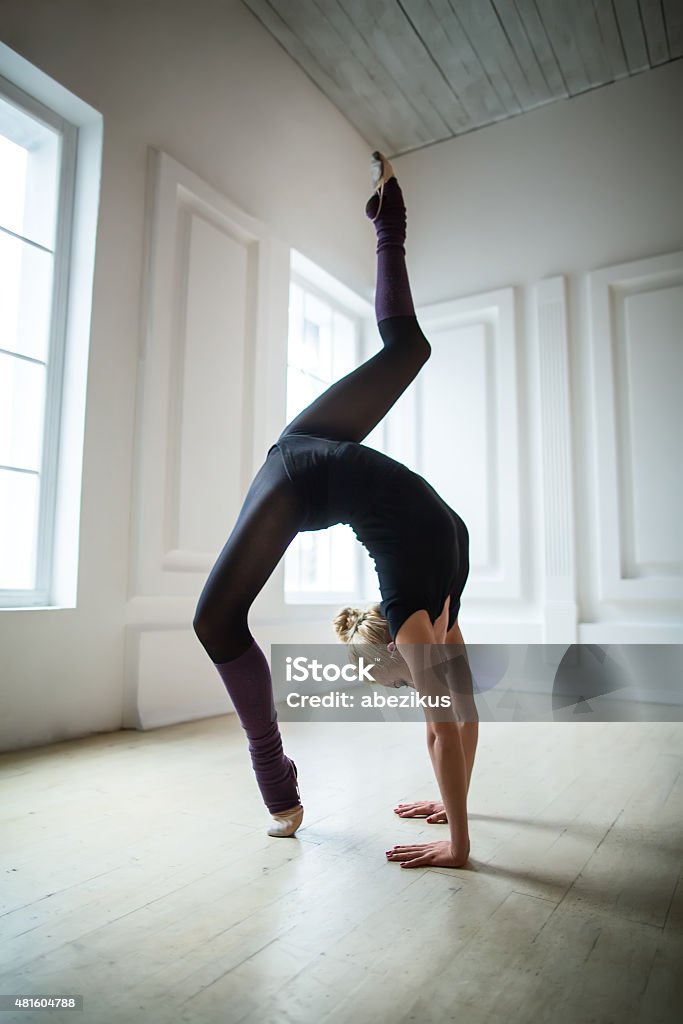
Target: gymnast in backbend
pixel 318 474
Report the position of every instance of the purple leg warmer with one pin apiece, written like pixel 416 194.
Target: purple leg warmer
pixel 392 294
pixel 248 681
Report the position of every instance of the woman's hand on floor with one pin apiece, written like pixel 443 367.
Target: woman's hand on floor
pixel 432 810
pixel 428 855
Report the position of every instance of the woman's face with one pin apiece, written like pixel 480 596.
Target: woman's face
pixel 392 672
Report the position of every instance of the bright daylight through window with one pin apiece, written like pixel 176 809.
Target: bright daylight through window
pixel 324 345
pixel 36 185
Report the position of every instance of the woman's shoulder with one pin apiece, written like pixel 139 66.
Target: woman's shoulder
pixel 310 442
pixel 363 452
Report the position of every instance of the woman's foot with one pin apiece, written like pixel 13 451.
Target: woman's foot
pixel 380 169
pixel 287 822
pixel 381 172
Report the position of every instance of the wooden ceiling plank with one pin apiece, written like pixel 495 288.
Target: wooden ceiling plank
pixel 309 26
pixel 673 17
pixel 482 25
pixel 589 42
pixel 632 35
pixel 611 39
pixel 443 36
pixel 364 121
pixel 559 28
pixel 538 37
pixel 652 18
pixel 400 49
pixel 481 20
pixel 397 110
pixel 519 40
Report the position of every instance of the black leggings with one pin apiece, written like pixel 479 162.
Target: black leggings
pixel 271 515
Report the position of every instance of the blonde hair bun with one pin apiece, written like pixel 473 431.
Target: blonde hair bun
pixel 353 625
pixel 362 630
pixel 347 621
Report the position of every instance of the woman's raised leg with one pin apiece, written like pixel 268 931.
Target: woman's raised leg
pixel 354 405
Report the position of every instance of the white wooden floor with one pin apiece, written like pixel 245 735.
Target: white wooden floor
pixel 136 872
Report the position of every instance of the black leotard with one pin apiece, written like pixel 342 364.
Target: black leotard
pixel 418 543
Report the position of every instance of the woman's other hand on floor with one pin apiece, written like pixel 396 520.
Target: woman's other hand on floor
pixel 432 810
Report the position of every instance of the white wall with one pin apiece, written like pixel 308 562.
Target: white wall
pixel 559 191
pixel 204 82
pixel 580 183
pixel 535 204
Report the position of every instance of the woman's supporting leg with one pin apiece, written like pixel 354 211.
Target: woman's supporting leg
pixel 269 520
pixel 354 405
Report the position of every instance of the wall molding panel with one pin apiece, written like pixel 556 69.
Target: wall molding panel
pixel 203 299
pixel 559 569
pixel 207 325
pixel 472 383
pixel 636 312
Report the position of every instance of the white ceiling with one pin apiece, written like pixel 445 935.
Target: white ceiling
pixel 409 73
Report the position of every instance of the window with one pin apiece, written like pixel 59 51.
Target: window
pixel 50 161
pixel 325 343
pixel 36 188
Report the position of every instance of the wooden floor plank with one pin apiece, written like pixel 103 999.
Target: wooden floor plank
pixel 160 897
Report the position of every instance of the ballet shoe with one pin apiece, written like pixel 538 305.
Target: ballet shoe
pixel 380 172
pixel 286 822
pixel 380 169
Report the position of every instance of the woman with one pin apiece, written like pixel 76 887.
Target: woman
pixel 316 475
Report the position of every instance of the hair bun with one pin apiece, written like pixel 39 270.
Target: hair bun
pixel 347 622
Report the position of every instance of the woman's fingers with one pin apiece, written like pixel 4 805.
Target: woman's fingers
pixel 439 855
pixel 418 862
pixel 401 852
pixel 417 809
pixel 437 819
pixel 410 856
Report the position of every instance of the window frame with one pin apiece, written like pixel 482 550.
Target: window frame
pixel 41 594
pixel 318 283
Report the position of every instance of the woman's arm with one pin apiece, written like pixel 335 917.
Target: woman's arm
pixel 432 810
pixel 418 645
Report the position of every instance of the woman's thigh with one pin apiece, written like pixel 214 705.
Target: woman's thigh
pixel 270 518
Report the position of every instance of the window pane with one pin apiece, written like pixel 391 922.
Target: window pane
pixel 343 346
pixel 13 163
pixel 19 518
pixel 322 348
pixel 22 408
pixel 343 561
pixel 322 562
pixel 302 389
pixel 25 297
pixel 28 184
pixel 317 338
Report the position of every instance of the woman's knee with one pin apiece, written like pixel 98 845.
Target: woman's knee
pixel 220 630
pixel 205 629
pixel 402 335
